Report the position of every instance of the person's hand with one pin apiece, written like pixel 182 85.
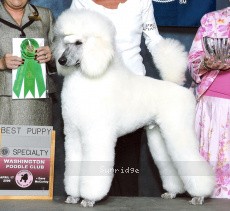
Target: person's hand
pixel 43 54
pixel 212 64
pixel 11 62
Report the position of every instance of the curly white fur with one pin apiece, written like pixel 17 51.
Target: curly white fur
pixel 102 100
pixel 170 58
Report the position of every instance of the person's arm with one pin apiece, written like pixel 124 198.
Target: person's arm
pixel 51 64
pixel 51 28
pixel 150 30
pixel 169 55
pixel 196 55
pixel 44 53
pixel 198 63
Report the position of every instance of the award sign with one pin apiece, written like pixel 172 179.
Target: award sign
pixel 26 162
pixel 29 80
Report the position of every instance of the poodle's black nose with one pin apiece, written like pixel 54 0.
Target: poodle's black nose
pixel 62 60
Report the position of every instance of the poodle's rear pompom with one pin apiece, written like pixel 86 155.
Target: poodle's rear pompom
pixel 170 59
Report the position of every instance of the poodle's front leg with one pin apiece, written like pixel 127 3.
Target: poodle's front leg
pixel 97 167
pixel 73 156
pixel 169 175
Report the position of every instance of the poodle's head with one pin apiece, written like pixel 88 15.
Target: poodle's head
pixel 84 41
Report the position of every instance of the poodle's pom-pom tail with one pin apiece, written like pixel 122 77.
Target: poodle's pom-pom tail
pixel 170 59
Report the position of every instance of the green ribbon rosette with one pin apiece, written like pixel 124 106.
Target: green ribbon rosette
pixel 30 71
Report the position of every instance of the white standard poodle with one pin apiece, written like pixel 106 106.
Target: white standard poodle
pixel 103 100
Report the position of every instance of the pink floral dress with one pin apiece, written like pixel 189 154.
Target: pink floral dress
pixel 213 111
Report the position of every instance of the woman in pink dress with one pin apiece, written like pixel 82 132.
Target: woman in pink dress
pixel 212 88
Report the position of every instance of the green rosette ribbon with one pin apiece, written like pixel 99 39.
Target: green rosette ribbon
pixel 30 71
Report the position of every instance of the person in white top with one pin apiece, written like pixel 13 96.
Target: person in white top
pixel 132 19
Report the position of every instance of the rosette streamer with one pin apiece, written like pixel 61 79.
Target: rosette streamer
pixel 30 71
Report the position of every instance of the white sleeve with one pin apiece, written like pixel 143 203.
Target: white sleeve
pixel 150 30
pixel 76 4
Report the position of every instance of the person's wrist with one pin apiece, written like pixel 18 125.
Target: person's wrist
pixel 2 64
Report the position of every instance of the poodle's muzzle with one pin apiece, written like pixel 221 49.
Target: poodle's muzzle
pixel 71 55
pixel 63 61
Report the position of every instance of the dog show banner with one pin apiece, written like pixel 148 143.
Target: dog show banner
pixel 29 79
pixel 26 162
pixel 184 13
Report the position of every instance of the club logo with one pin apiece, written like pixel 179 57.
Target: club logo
pixel 24 178
pixel 4 151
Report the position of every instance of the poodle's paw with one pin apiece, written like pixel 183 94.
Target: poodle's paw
pixel 72 200
pixel 87 203
pixel 197 200
pixel 168 195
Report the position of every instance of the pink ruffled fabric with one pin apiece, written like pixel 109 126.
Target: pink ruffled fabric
pixel 213 130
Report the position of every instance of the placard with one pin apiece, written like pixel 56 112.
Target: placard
pixel 29 79
pixel 26 162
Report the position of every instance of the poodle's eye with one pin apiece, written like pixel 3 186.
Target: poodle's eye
pixel 78 42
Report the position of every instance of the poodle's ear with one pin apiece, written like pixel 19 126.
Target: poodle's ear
pixel 96 56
